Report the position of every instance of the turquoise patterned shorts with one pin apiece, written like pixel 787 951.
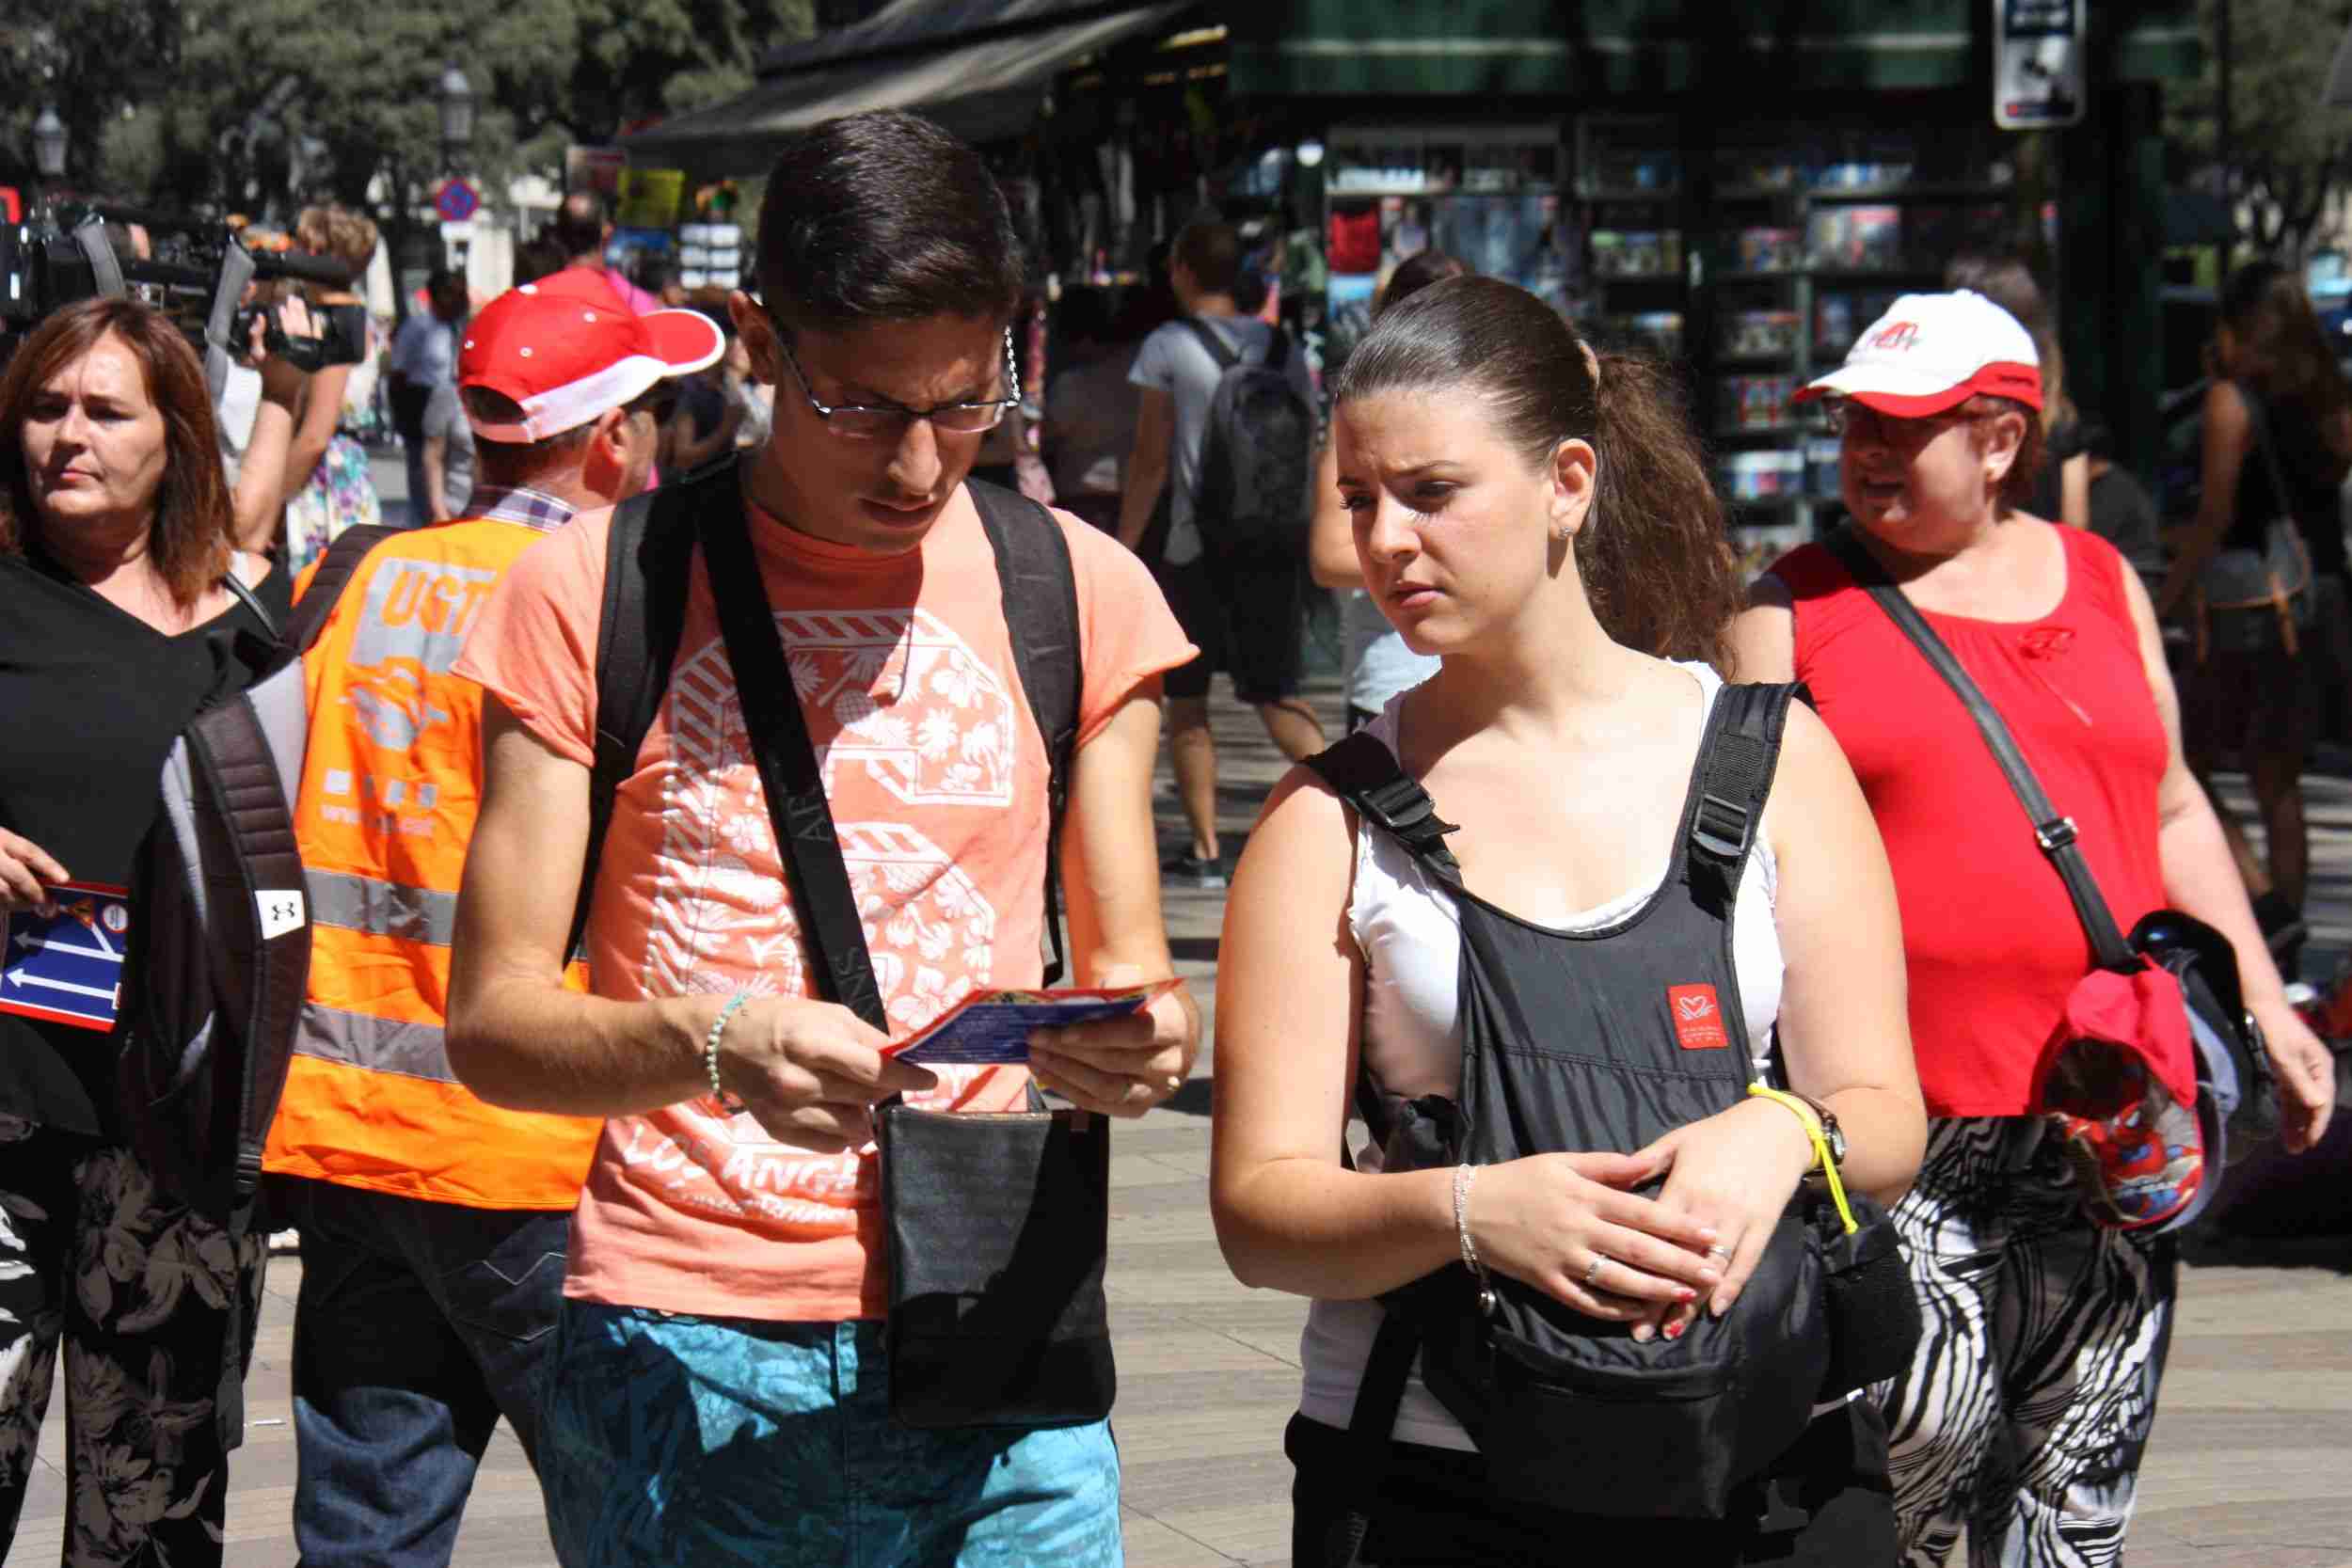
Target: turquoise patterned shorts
pixel 676 1440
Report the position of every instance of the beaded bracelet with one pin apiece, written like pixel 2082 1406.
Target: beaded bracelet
pixel 727 1101
pixel 1463 1176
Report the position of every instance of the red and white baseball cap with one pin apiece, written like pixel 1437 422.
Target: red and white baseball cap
pixel 566 350
pixel 1935 351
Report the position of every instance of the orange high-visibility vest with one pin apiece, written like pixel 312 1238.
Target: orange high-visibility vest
pixel 391 788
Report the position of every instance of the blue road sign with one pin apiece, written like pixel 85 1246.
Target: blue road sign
pixel 68 967
pixel 457 200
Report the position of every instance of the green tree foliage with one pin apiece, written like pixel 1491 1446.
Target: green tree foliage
pixel 258 105
pixel 2285 154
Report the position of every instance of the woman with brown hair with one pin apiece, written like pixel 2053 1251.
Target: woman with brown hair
pixel 329 487
pixel 128 612
pixel 1541 521
pixel 2278 413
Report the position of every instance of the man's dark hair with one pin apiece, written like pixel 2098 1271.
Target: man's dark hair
pixel 578 225
pixel 1210 251
pixel 883 216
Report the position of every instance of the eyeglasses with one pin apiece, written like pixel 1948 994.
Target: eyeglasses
pixel 1850 419
pixel 660 402
pixel 887 421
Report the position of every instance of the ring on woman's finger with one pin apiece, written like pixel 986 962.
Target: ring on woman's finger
pixel 1719 1250
pixel 1591 1270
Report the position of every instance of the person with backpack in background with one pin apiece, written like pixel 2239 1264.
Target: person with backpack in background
pixel 1662 889
pixel 1379 664
pixel 434 1223
pixel 1225 431
pixel 837 822
pixel 128 612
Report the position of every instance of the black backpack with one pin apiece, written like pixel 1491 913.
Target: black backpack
pixel 648 557
pixel 1257 456
pixel 217 964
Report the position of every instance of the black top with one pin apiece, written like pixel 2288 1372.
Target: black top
pixel 92 698
pixel 2124 515
pixel 2063 441
pixel 2314 473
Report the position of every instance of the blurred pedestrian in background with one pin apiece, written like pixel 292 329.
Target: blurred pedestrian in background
pixel 128 612
pixel 329 487
pixel 2034 1390
pixel 2278 443
pixel 424 357
pixel 1091 407
pixel 1379 664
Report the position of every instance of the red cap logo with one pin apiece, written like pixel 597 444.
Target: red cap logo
pixel 1698 1018
pixel 1896 335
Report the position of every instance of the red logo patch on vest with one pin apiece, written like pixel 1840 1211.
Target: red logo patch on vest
pixel 1698 1018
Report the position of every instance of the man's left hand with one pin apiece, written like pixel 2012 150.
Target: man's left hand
pixel 1120 1067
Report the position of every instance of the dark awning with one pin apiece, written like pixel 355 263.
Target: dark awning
pixel 1372 48
pixel 979 67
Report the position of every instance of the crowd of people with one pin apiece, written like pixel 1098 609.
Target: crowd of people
pixel 1674 1009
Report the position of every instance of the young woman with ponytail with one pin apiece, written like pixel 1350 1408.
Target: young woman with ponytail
pixel 1541 521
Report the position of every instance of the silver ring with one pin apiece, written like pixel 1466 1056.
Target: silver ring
pixel 1719 1250
pixel 1591 1270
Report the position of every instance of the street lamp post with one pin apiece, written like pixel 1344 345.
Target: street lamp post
pixel 456 96
pixel 49 144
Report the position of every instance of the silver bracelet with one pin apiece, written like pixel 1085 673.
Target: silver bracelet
pixel 1463 1176
pixel 727 1103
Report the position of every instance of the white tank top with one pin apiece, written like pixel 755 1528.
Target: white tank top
pixel 1410 938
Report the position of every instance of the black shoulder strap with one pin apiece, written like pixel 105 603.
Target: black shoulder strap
pixel 328 583
pixel 646 556
pixel 1737 760
pixel 1218 349
pixel 2258 421
pixel 1278 350
pixel 2053 833
pixel 1363 771
pixel 1040 596
pixel 788 770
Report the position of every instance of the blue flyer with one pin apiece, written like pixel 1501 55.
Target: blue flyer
pixel 67 968
pixel 993 1028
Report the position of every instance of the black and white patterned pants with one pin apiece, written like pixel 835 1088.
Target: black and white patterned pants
pixel 2026 1411
pixel 139 1293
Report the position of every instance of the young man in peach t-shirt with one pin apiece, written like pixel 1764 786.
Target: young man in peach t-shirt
pixel 720 1386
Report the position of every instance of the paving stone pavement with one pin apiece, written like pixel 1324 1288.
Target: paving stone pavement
pixel 2251 1463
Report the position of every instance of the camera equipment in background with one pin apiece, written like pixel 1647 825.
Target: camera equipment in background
pixel 195 271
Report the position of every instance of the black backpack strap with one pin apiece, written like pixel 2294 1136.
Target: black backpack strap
pixel 1040 596
pixel 1363 771
pixel 790 774
pixel 646 557
pixel 328 583
pixel 1370 1433
pixel 1218 349
pixel 1737 760
pixel 1278 350
pixel 2054 832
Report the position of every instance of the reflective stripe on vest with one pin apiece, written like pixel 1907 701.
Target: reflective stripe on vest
pixel 384 816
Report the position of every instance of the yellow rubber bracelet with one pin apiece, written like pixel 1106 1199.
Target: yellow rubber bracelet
pixel 1822 1162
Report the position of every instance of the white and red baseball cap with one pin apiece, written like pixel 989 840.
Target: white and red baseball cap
pixel 566 349
pixel 1935 351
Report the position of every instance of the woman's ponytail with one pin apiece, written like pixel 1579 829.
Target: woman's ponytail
pixel 1656 554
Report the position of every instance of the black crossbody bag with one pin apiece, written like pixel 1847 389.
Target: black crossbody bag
pixel 2237 1103
pixel 998 1225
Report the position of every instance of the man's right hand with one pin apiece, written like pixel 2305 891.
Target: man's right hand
pixel 811 1072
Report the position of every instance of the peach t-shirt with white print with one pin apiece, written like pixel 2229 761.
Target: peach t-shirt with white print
pixel 936 774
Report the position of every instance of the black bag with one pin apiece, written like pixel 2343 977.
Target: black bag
pixel 2237 1100
pixel 1566 1411
pixel 998 1225
pixel 219 960
pixel 1257 456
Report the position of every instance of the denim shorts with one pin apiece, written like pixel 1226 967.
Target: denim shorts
pixel 672 1440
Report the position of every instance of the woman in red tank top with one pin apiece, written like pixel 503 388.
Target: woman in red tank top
pixel 2045 1334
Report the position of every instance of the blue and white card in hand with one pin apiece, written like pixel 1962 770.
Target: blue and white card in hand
pixel 67 967
pixel 993 1028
